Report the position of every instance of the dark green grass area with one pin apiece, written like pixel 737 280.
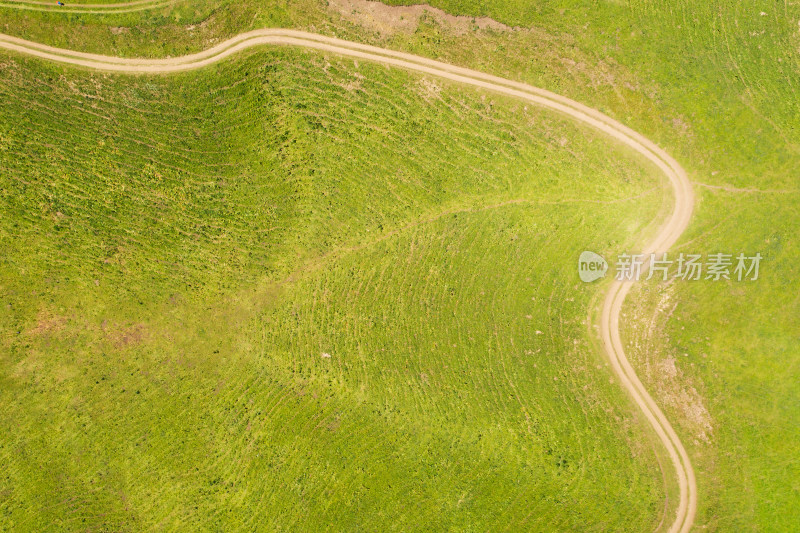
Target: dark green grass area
pixel 180 252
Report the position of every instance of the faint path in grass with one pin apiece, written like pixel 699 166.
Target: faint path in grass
pixel 327 258
pixel 617 291
pixel 748 190
pixel 92 9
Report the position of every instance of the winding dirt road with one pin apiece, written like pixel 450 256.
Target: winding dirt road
pixel 617 291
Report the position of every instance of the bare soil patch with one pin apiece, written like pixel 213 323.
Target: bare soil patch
pixel 389 20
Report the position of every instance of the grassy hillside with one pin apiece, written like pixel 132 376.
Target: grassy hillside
pixel 715 84
pixel 294 292
pixel 724 78
pixel 723 359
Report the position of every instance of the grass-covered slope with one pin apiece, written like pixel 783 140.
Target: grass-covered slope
pixel 294 292
pixel 716 85
pixel 722 358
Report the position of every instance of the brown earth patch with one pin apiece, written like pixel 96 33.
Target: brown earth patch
pixel 124 336
pixel 389 20
pixel 47 323
pixel 651 351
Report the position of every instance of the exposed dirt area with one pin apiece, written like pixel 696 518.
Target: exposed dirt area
pixel 124 336
pixel 47 323
pixel 388 20
pixel 651 351
pixel 428 89
pixel 51 325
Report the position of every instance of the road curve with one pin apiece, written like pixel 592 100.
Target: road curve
pixel 668 235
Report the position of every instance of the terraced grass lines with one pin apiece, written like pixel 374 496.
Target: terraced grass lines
pixel 722 79
pixel 715 84
pixel 183 250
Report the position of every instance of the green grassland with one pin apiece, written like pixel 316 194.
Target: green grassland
pixel 735 346
pixel 715 84
pixel 727 75
pixel 180 252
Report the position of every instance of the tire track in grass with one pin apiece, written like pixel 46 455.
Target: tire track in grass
pixel 90 9
pixel 617 291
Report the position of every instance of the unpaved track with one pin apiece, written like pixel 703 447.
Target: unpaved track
pixel 617 291
pixel 89 9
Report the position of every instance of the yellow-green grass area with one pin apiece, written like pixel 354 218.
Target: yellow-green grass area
pixel 179 253
pixel 716 85
pixel 167 29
